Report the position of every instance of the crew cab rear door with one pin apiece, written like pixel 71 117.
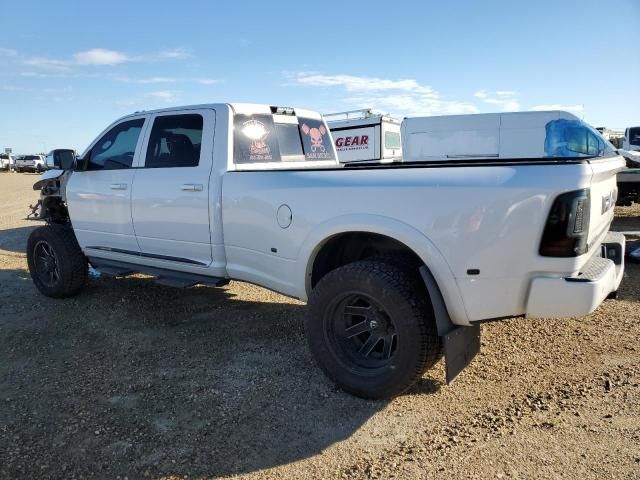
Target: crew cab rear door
pixel 170 198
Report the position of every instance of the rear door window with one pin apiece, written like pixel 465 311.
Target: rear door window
pixel 175 141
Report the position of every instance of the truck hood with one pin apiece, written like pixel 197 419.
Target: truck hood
pixel 47 176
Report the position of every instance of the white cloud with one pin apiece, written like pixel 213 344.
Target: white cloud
pixel 157 80
pixel 96 57
pixel 505 99
pixel 151 99
pixel 146 81
pixel 100 56
pixel 161 80
pixel 353 83
pixel 558 106
pixel 47 64
pixel 412 105
pixel 8 52
pixel 207 81
pixel 166 96
pixel 398 96
pixel 174 54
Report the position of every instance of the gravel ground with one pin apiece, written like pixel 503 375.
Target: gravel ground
pixel 134 380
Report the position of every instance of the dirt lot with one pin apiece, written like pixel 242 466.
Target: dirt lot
pixel 131 379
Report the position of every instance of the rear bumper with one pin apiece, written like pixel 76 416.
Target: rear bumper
pixel 579 295
pixel 26 167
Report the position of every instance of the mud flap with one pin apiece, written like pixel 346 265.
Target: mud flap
pixel 460 344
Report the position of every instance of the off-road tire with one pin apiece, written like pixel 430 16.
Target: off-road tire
pixel 408 308
pixel 71 263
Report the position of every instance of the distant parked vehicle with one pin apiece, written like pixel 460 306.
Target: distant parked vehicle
pixel 6 161
pixel 30 163
pixel 631 139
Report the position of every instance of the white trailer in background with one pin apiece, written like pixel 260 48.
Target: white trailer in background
pixel 365 136
pixel 500 136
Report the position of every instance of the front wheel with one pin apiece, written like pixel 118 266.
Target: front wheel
pixel 56 263
pixel 371 328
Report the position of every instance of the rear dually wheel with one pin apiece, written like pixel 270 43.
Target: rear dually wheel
pixel 371 328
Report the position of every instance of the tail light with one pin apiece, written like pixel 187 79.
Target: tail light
pixel 567 228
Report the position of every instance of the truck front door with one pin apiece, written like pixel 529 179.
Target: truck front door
pixel 99 191
pixel 170 200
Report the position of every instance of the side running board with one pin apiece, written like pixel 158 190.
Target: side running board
pixel 162 276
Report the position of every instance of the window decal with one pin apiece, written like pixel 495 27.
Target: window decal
pixel 315 139
pixel 255 139
pixel 257 132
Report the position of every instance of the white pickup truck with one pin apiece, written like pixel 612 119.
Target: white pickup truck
pixel 398 262
pixel 30 163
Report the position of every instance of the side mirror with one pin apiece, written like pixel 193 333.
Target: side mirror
pixel 62 158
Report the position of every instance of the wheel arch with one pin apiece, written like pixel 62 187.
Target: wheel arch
pixel 388 232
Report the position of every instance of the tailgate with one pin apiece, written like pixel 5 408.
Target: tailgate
pixel 603 190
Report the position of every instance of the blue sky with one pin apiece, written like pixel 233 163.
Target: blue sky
pixel 69 68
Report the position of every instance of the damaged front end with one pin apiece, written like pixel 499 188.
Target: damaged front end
pixel 51 206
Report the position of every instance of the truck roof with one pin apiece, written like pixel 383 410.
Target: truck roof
pixel 245 108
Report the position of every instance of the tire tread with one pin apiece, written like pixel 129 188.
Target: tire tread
pixel 73 263
pixel 396 276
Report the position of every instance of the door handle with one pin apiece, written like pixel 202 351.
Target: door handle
pixel 118 186
pixel 191 187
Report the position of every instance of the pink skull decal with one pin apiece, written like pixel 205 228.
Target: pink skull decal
pixel 316 136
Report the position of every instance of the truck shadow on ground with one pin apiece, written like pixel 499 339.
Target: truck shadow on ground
pixel 15 239
pixel 131 378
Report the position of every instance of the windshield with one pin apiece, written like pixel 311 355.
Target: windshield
pixel 574 138
pixel 31 157
pixel 634 136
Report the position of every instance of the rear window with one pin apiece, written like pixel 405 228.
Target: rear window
pixel 31 157
pixel 259 139
pixel 634 136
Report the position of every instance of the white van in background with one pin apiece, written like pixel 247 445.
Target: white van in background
pixel 365 136
pixel 500 136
